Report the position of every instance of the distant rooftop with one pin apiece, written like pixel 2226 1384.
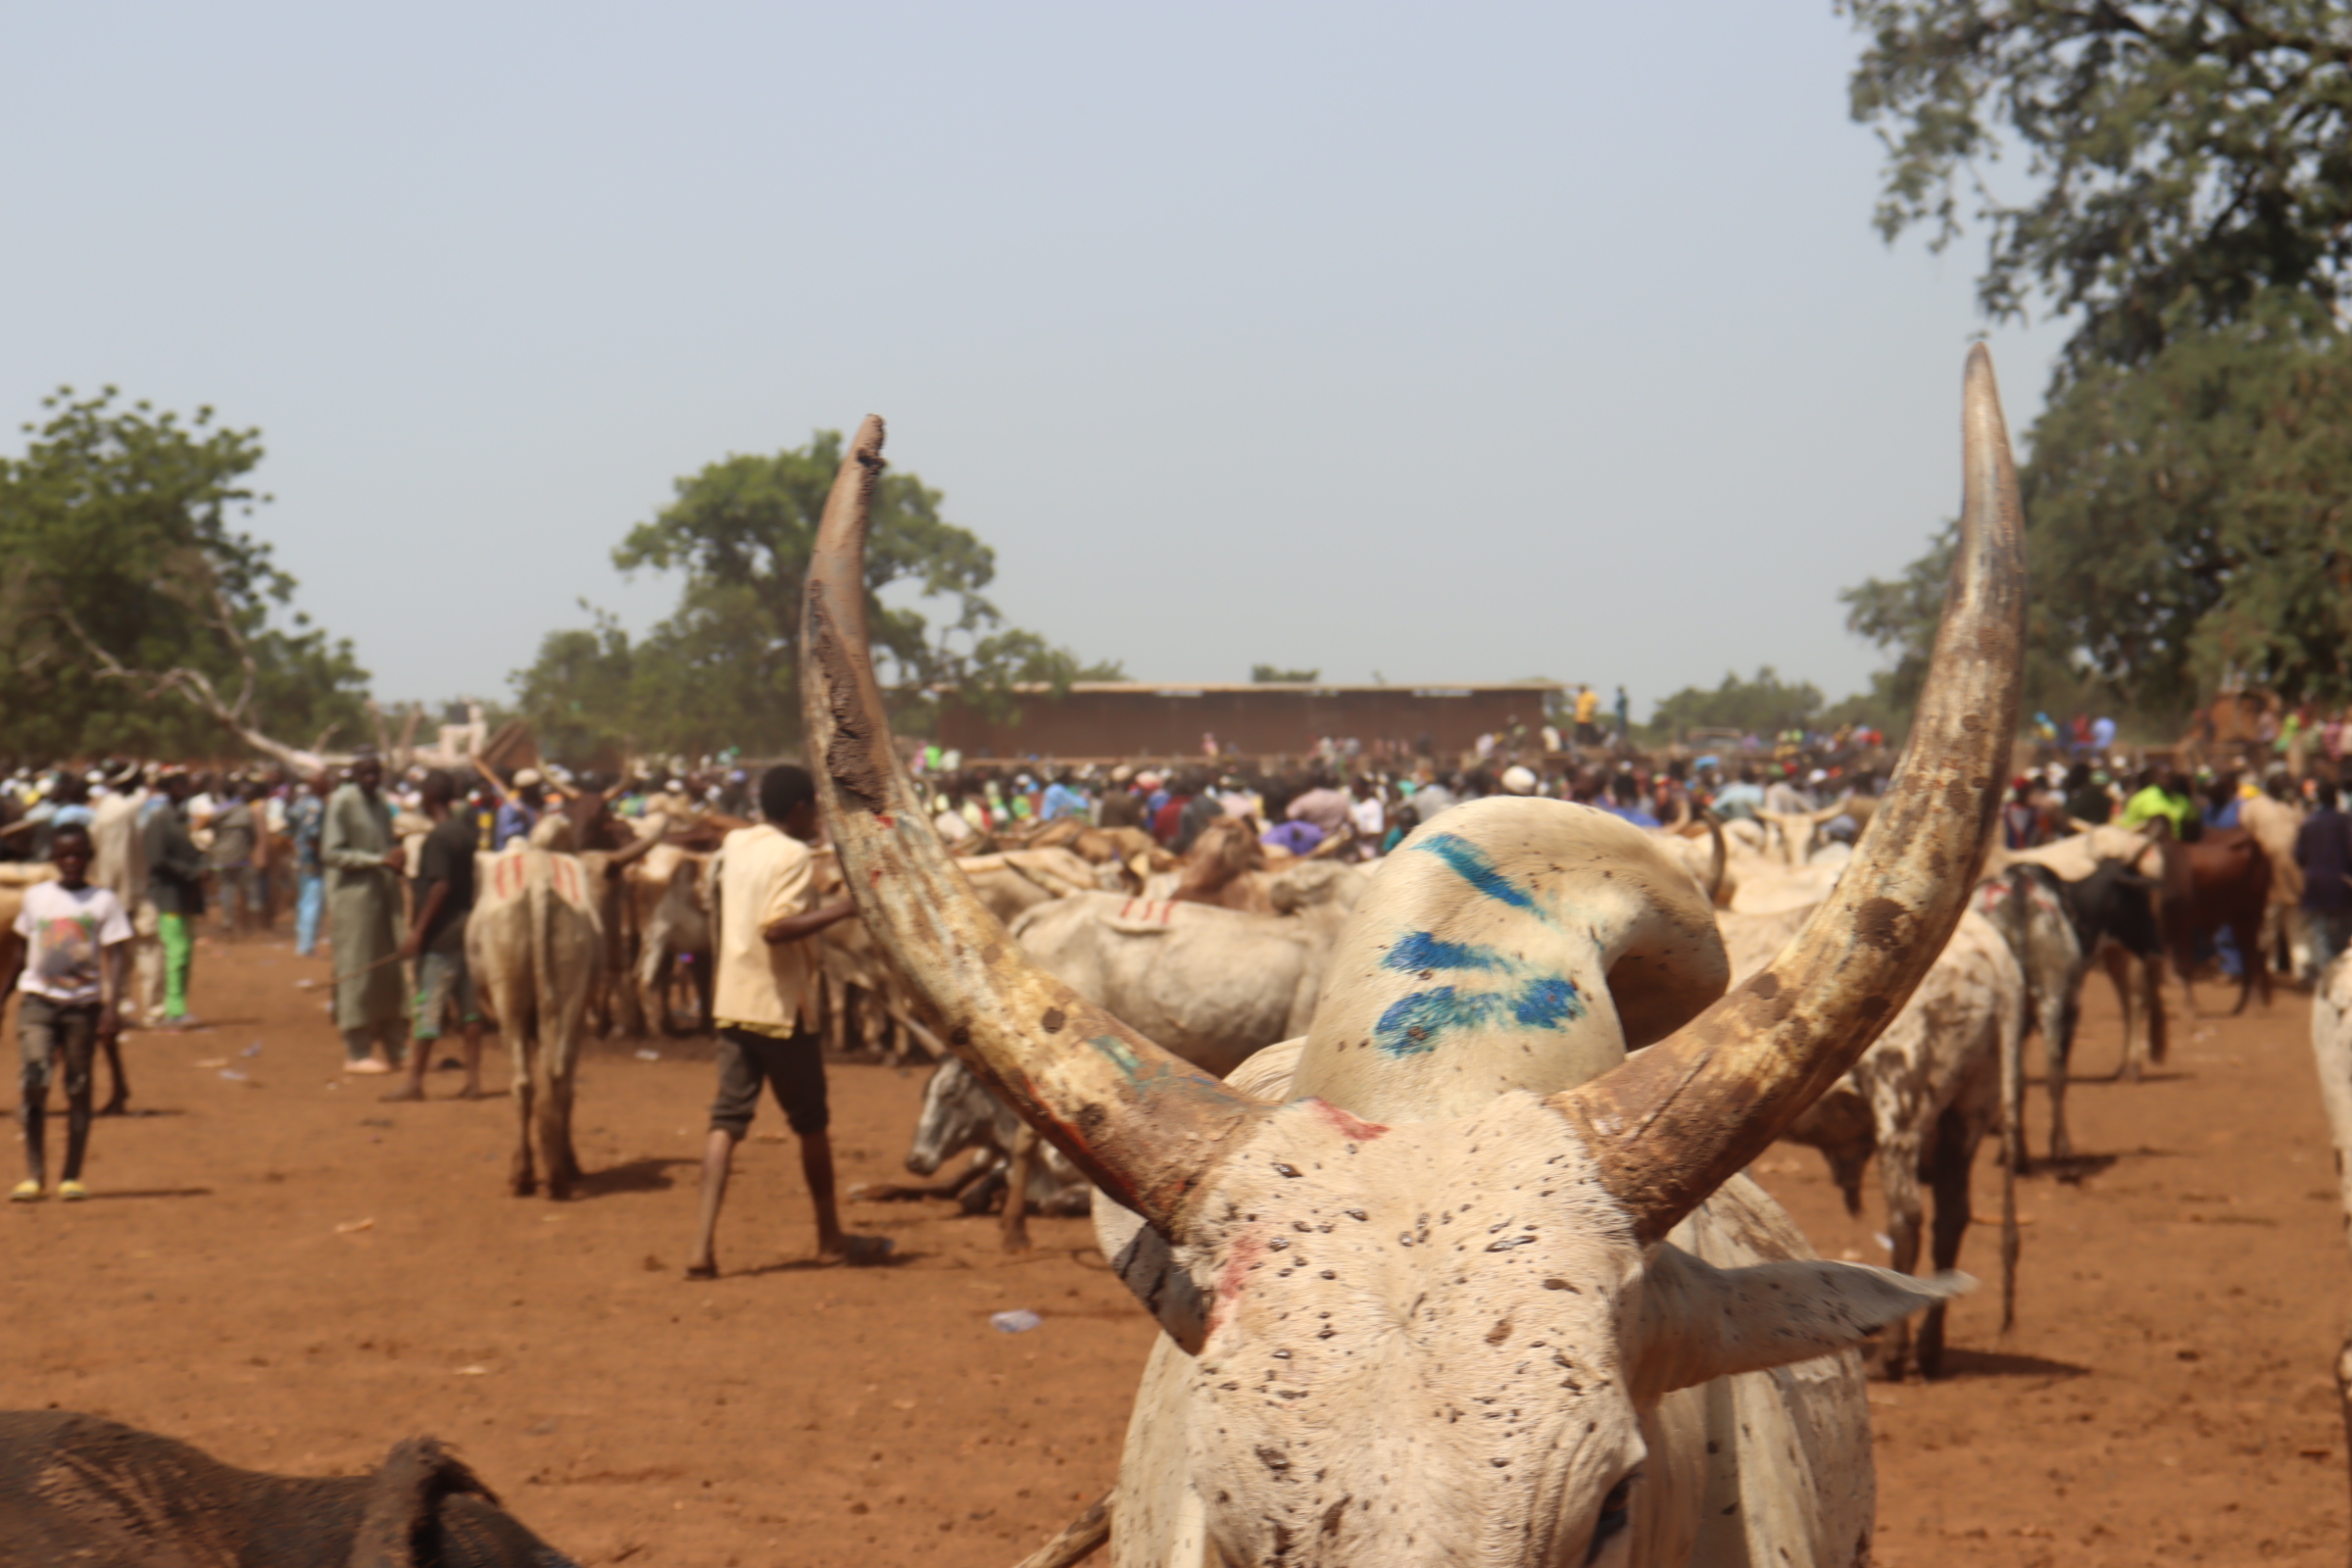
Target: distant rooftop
pixel 1310 688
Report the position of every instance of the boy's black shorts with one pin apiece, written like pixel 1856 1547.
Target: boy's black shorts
pixel 793 1068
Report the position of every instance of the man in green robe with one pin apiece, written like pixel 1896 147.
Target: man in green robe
pixel 364 864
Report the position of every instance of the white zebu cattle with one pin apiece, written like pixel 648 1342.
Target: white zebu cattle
pixel 2076 858
pixel 1428 1312
pixel 534 947
pixel 1797 833
pixel 1212 985
pixel 1922 1099
pixel 2332 1049
pixel 958 1115
pixel 666 888
pixel 2275 823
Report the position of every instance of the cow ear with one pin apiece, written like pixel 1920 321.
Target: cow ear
pixel 404 1496
pixel 1699 1321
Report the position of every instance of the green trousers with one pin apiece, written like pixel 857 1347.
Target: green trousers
pixel 179 953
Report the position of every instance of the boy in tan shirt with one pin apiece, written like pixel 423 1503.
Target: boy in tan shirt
pixel 764 886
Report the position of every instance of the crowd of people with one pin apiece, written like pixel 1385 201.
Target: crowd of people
pixel 383 870
pixel 2062 799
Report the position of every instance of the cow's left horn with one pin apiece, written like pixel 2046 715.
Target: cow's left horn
pixel 1143 1124
pixel 1672 1123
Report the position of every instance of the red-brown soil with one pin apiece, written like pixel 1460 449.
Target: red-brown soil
pixel 294 1277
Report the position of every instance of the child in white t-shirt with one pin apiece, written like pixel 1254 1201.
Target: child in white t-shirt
pixel 76 959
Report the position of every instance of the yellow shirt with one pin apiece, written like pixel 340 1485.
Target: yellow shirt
pixel 764 874
pixel 1587 703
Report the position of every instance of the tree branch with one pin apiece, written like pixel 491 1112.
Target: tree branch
pixel 197 688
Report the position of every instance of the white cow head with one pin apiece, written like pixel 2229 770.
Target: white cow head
pixel 1430 1302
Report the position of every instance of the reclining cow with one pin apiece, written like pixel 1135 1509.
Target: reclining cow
pixel 75 1489
pixel 960 1116
pixel 1466 1282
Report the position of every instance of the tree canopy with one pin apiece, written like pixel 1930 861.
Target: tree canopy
pixel 721 669
pixel 1264 673
pixel 2182 157
pixel 1761 706
pixel 2188 528
pixel 124 578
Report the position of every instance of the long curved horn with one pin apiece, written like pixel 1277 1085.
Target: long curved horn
pixel 1143 1124
pixel 1674 1122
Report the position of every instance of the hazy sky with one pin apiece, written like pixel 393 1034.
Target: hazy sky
pixel 1450 342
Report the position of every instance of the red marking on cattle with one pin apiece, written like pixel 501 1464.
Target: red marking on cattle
pixel 1125 908
pixel 884 819
pixel 1363 1132
pixel 1248 1248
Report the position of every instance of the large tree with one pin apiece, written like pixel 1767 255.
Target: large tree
pixel 135 616
pixel 2187 199
pixel 2182 157
pixel 2191 527
pixel 721 669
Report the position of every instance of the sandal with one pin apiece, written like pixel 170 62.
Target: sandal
pixel 28 1191
pixel 72 1191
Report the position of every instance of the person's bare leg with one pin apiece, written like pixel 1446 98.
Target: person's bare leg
pixel 833 1245
pixel 816 1167
pixel 420 1053
pixel 118 1103
pixel 718 1154
pixel 473 1060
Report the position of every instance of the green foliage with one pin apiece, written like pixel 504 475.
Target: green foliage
pixel 123 578
pixel 1271 673
pixel 723 669
pixel 1760 707
pixel 2182 156
pixel 2186 527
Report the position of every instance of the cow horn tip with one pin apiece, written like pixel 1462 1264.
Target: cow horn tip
pixel 870 434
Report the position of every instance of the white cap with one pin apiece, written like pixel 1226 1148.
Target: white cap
pixel 529 776
pixel 1518 780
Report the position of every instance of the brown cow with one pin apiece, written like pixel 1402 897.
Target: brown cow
pixel 1226 867
pixel 2220 882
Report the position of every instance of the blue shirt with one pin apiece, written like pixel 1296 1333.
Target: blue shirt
pixel 1062 800
pixel 306 814
pixel 1631 813
pixel 515 821
pixel 1739 800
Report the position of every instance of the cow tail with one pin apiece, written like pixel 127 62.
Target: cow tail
pixel 2016 925
pixel 2013 1148
pixel 541 891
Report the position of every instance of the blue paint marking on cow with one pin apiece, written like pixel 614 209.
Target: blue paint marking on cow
pixel 1121 1054
pixel 1416 1024
pixel 1470 863
pixel 1547 1004
pixel 1412 1025
pixel 1420 951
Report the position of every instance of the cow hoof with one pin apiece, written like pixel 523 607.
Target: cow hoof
pixel 522 1189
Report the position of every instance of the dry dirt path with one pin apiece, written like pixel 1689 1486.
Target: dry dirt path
pixel 294 1276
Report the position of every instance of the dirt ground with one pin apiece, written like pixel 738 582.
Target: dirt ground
pixel 293 1276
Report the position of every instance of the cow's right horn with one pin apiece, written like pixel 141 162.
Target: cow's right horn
pixel 1671 1124
pixel 1146 1126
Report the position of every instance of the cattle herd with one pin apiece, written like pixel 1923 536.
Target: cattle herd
pixel 1429 1168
